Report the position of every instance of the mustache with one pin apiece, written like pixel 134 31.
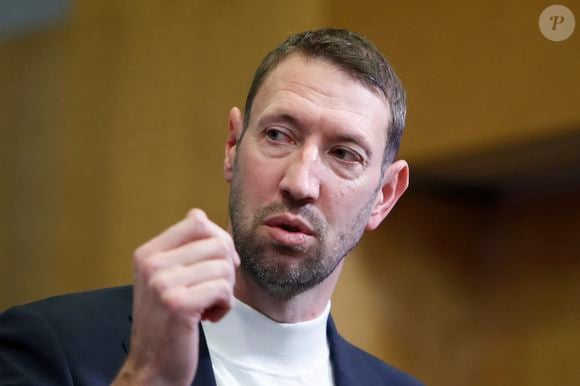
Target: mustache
pixel 307 213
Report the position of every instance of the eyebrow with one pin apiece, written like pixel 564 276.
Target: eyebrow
pixel 285 117
pixel 355 137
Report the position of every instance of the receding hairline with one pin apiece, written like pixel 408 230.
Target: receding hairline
pixel 356 55
pixel 312 57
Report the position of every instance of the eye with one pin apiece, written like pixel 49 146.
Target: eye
pixel 346 155
pixel 276 135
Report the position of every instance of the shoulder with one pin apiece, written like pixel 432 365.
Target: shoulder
pixel 361 367
pixel 90 315
pixel 78 311
pixel 379 369
pixel 77 335
pixel 116 297
pixel 102 304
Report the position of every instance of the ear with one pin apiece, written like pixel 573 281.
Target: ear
pixel 395 182
pixel 236 125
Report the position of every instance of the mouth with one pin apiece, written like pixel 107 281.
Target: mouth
pixel 290 230
pixel 290 224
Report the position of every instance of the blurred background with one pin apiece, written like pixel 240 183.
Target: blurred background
pixel 113 116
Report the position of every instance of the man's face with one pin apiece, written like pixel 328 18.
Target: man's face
pixel 306 176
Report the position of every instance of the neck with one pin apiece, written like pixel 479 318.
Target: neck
pixel 302 307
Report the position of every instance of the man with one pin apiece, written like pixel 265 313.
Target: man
pixel 311 166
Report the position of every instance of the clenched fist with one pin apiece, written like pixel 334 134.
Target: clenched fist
pixel 182 276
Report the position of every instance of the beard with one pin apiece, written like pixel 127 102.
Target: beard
pixel 285 271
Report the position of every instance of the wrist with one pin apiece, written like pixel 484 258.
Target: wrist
pixel 133 375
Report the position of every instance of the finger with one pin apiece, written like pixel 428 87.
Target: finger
pixel 196 299
pixel 192 275
pixel 195 226
pixel 227 237
pixel 191 253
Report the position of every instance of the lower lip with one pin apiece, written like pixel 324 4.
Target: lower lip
pixel 282 236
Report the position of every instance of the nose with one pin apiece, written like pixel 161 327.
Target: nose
pixel 301 180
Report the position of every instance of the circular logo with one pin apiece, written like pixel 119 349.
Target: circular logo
pixel 557 23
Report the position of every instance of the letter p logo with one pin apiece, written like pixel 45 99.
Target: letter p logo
pixel 557 20
pixel 557 23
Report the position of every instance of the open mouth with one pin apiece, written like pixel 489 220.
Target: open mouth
pixel 290 224
pixel 289 228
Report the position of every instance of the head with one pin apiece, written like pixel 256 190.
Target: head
pixel 311 161
pixel 353 54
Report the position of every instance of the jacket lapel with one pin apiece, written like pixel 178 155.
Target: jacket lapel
pixel 342 370
pixel 204 375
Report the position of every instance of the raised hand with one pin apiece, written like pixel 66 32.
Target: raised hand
pixel 182 276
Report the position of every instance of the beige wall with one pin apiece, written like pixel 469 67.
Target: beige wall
pixel 479 73
pixel 112 126
pixel 470 292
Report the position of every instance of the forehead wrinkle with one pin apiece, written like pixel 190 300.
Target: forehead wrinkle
pixel 287 112
pixel 282 74
pixel 326 107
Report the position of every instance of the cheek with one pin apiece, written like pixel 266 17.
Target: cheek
pixel 344 202
pixel 337 202
pixel 259 179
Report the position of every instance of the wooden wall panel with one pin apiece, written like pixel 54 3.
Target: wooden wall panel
pixel 113 125
pixel 478 74
pixel 465 292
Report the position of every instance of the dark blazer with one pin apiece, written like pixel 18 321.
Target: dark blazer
pixel 83 339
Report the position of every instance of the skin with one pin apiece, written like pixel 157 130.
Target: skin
pixel 312 152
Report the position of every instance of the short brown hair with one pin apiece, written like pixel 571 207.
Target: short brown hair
pixel 354 54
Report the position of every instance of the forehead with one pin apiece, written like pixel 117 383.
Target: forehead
pixel 318 89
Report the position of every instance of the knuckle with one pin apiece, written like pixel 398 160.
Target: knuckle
pixel 159 283
pixel 149 267
pixel 228 237
pixel 197 220
pixel 231 271
pixel 140 254
pixel 173 300
pixel 196 214
pixel 209 271
pixel 226 269
pixel 224 289
pixel 192 250
pixel 220 269
pixel 222 246
pixel 230 241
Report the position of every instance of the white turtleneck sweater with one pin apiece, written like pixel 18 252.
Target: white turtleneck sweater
pixel 249 349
